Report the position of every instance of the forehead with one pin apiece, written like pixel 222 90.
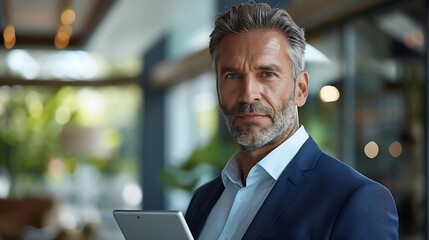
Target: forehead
pixel 252 44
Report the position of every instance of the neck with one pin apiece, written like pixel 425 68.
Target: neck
pixel 250 157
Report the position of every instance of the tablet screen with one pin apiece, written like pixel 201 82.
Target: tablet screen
pixel 152 225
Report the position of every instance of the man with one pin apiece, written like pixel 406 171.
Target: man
pixel 279 185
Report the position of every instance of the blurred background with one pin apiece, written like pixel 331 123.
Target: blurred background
pixel 110 104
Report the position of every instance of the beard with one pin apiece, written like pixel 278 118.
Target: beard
pixel 282 124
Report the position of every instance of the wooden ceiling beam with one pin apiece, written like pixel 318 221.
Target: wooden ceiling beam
pixel 94 18
pixel 6 12
pixel 6 81
pixel 173 72
pixel 312 14
pixel 43 41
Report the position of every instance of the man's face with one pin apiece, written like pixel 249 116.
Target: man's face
pixel 256 92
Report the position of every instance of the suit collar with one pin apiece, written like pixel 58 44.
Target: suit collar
pixel 206 204
pixel 287 186
pixel 285 151
pixel 270 163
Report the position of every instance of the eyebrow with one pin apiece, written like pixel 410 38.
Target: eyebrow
pixel 227 69
pixel 268 67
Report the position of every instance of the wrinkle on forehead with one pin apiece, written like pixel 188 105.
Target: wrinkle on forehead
pixel 272 39
pixel 255 43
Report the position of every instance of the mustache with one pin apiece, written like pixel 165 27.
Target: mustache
pixel 244 108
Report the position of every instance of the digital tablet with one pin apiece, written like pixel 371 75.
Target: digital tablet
pixel 152 225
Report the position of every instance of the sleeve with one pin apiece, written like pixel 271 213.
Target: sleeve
pixel 368 213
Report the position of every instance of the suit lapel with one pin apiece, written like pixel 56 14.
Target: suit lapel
pixel 206 206
pixel 287 186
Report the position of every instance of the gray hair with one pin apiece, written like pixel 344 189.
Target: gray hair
pixel 249 16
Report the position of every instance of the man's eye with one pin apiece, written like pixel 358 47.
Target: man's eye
pixel 267 74
pixel 231 76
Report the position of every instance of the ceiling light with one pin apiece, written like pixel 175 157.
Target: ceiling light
pixel 329 94
pixel 66 29
pixel 9 33
pixel 9 37
pixel 62 40
pixel 414 38
pixel 395 149
pixel 68 16
pixel 371 149
pixel 403 28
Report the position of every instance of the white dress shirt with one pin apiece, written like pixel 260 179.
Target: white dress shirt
pixel 238 205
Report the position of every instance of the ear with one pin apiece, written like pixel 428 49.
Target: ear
pixel 301 89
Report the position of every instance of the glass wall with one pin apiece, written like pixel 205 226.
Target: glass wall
pixel 365 107
pixel 376 70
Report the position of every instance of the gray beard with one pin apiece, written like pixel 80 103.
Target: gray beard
pixel 282 124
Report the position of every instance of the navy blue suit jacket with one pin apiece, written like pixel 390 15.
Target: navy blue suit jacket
pixel 316 197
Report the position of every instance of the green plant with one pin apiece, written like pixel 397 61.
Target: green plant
pixel 207 160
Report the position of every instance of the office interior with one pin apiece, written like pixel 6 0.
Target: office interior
pixel 108 104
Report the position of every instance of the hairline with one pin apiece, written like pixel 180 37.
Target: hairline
pixel 289 51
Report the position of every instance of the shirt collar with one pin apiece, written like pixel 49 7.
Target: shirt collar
pixel 232 172
pixel 285 151
pixel 271 163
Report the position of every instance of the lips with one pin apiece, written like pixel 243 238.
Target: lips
pixel 251 115
pixel 250 118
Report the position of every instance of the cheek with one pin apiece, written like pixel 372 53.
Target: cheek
pixel 225 102
pixel 276 96
pixel 226 96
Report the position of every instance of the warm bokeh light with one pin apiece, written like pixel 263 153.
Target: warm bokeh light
pixel 395 149
pixel 68 16
pixel 329 94
pixel 371 149
pixel 10 45
pixel 62 36
pixel 414 38
pixel 67 29
pixel 62 40
pixel 9 33
pixel 9 37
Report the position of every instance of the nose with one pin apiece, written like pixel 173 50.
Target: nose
pixel 249 90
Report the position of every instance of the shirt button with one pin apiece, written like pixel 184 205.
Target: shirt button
pixel 243 197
